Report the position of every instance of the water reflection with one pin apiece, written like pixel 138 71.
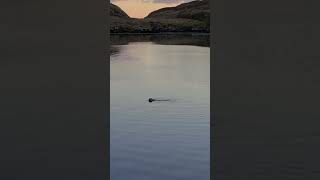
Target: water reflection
pixel 162 140
pixel 202 40
pixel 163 39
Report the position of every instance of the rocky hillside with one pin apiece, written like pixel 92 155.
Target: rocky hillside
pixel 115 11
pixel 196 10
pixel 187 17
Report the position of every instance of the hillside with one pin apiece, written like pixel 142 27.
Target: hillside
pixel 116 11
pixel 187 17
pixel 196 10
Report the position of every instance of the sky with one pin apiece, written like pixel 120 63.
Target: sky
pixel 141 8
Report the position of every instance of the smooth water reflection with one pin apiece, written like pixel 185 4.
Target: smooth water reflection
pixel 160 140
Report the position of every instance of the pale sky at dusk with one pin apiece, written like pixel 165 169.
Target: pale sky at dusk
pixel 141 8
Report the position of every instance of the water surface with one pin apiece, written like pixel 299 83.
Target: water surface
pixel 161 140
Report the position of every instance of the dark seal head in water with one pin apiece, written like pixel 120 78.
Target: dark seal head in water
pixel 151 100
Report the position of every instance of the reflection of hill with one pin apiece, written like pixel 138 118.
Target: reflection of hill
pixel 114 50
pixel 165 39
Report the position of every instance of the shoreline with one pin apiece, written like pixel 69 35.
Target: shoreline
pixel 163 33
pixel 201 39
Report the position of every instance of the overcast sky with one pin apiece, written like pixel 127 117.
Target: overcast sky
pixel 141 8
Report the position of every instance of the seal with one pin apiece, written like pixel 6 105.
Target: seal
pixel 151 100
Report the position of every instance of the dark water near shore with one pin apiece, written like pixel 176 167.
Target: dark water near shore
pixel 160 140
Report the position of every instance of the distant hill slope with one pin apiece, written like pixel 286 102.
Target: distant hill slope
pixel 117 12
pixel 188 17
pixel 197 10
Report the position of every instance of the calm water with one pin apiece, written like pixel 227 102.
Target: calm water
pixel 160 140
